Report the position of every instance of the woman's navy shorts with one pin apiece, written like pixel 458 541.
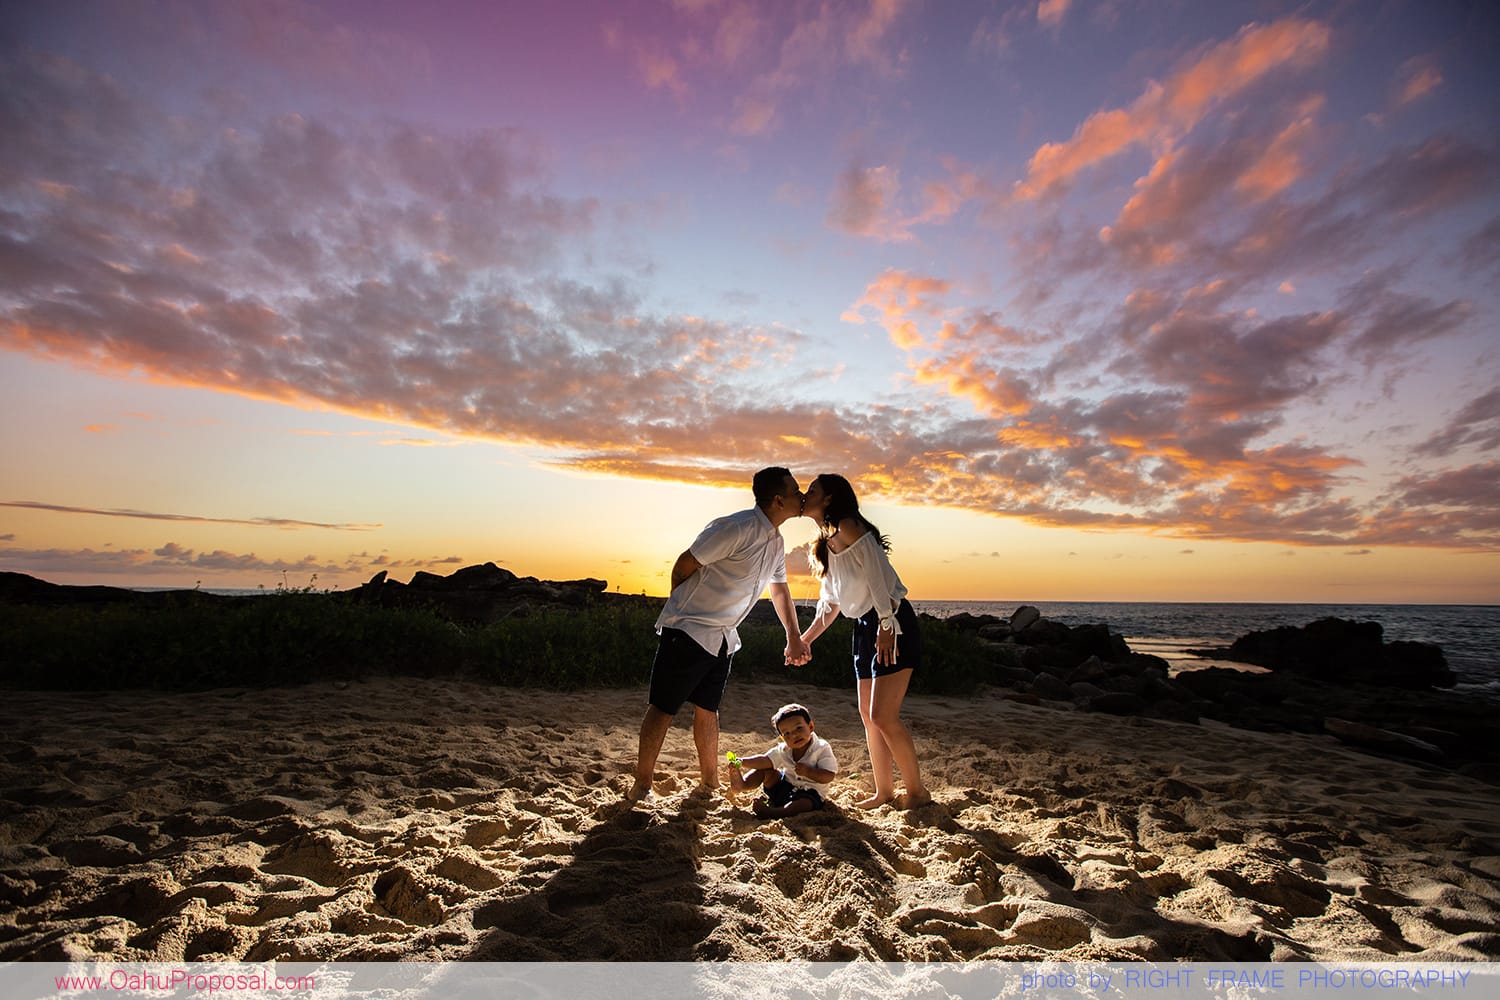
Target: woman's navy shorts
pixel 908 643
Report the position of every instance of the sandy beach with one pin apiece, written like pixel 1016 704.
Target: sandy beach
pixel 410 819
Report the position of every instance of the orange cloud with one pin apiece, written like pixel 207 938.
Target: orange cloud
pixel 1050 13
pixel 895 295
pixel 1165 112
pixel 997 393
pixel 1281 165
pixel 1417 78
pixel 831 37
pixel 864 204
pixel 661 72
pixel 867 38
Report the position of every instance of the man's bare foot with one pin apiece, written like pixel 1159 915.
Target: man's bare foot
pixel 705 790
pixel 917 799
pixel 638 791
pixel 873 802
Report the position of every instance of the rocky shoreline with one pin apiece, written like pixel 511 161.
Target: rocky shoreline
pixel 1332 676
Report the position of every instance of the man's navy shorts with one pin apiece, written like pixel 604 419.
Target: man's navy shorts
pixel 908 643
pixel 685 671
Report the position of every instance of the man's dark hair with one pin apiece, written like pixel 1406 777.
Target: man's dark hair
pixel 769 484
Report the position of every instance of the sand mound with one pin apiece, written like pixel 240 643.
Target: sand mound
pixel 444 820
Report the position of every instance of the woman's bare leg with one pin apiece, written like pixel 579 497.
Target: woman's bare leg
pixel 880 752
pixel 886 695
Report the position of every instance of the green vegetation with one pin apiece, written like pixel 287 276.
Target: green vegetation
pixel 294 636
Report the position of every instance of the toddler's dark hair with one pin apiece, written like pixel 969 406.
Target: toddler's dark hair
pixel 789 710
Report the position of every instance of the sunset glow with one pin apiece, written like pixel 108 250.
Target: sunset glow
pixel 1091 300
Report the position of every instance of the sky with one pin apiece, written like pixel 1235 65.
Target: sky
pixel 1091 299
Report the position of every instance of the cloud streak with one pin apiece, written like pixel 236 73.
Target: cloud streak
pixel 172 559
pixel 1166 111
pixel 254 522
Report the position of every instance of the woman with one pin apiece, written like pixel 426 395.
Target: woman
pixel 856 577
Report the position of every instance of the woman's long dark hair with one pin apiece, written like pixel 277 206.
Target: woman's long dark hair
pixel 842 503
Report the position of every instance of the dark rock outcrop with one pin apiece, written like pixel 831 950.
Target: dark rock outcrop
pixel 1342 651
pixel 1335 678
pixel 18 588
pixel 472 595
pixel 1085 665
pixel 477 594
pixel 1359 734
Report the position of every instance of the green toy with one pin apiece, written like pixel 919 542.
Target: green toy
pixel 733 758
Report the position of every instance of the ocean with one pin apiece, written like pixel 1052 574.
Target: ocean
pixel 1468 634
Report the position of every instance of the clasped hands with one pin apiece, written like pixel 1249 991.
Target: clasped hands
pixel 797 652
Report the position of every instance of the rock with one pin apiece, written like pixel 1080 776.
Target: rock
pixel 1054 661
pixel 1342 651
pixel 1117 703
pixel 1372 738
pixel 486 576
pixel 1144 664
pixel 1025 657
pixel 1083 691
pixel 1161 688
pixel 1095 641
pixel 1176 711
pixel 968 622
pixel 1444 739
pixel 18 588
pixel 1417 665
pixel 1051 688
pixel 1127 684
pixel 1091 669
pixel 1330 669
pixel 1023 617
pixel 1043 632
pixel 480 594
pixel 1016 676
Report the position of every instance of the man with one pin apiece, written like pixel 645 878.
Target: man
pixel 715 583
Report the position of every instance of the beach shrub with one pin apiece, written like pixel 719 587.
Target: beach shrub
pixel 954 660
pixel 601 645
pixel 294 636
pixel 281 638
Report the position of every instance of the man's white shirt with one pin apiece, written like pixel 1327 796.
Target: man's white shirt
pixel 739 556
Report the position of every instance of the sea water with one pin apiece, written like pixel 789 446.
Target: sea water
pixel 1468 634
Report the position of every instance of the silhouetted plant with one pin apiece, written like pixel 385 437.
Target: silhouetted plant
pixel 294 635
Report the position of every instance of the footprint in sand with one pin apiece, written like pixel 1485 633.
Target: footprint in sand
pixel 320 856
pixel 400 894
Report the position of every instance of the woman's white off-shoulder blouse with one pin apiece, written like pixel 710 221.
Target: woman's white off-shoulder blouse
pixel 860 578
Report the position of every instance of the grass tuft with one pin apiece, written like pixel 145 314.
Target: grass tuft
pixel 296 635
